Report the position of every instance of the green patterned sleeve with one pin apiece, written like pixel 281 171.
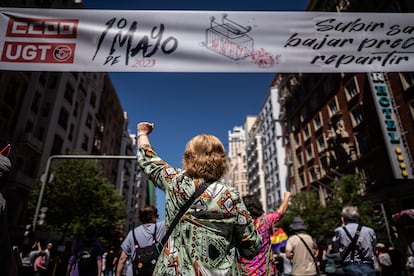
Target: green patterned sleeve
pixel 158 171
pixel 248 240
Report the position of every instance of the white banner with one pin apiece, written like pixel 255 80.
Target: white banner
pixel 204 41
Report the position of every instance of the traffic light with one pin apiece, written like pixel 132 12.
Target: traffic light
pixel 28 230
pixel 42 216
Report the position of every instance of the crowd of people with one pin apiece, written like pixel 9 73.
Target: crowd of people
pixel 209 229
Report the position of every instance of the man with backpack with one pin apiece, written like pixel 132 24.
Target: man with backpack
pixel 140 244
pixel 87 256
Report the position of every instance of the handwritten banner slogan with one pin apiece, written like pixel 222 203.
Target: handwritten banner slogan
pixel 204 41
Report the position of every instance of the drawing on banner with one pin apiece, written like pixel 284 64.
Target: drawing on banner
pixel 231 39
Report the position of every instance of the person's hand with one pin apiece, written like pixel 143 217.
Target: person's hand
pixel 144 128
pixel 287 194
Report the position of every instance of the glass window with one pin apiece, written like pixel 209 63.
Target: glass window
pixel 407 79
pixel 357 115
pixel 309 152
pixel 332 107
pixel 69 92
pixel 351 89
pixel 63 118
pixel 317 121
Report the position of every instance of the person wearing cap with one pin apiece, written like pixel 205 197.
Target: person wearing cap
pixel 5 246
pixel 358 259
pixel 301 249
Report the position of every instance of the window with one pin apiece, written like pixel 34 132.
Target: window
pixel 317 121
pixel 63 118
pixel 300 159
pixel 351 89
pixel 57 145
pixel 312 173
pixel 29 127
pixel 297 140
pixel 332 107
pixel 10 97
pixel 76 109
pixel 45 109
pixel 52 81
pixel 85 142
pixel 302 180
pixel 69 93
pixel 36 102
pixel 411 105
pixel 70 134
pixel 321 143
pixel 92 100
pixel 357 115
pixel 407 79
pixel 89 121
pixel 40 133
pixel 306 132
pixel 309 152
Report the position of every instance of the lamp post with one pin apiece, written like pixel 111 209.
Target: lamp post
pixel 45 178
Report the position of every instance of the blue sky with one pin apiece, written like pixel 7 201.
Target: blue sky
pixel 182 105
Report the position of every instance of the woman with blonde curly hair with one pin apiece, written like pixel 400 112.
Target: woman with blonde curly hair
pixel 217 228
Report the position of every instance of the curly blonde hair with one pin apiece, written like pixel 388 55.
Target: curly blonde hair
pixel 205 157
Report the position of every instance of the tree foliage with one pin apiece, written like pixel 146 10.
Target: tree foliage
pixel 322 221
pixel 78 196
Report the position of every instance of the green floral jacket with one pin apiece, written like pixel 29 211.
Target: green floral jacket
pixel 216 229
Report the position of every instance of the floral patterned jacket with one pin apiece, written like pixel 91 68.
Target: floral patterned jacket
pixel 214 231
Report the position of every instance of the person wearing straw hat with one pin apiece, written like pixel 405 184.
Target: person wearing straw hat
pixel 301 249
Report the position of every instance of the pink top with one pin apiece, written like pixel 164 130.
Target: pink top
pixel 261 264
pixel 39 263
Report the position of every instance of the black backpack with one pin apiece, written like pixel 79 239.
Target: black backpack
pixel 145 258
pixel 87 257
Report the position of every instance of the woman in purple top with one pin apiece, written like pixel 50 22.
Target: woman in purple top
pixel 262 264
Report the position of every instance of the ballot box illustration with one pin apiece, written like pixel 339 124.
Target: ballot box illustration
pixel 229 38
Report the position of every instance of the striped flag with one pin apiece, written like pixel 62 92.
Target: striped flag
pixel 278 239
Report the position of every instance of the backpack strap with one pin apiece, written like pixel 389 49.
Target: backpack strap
pixel 135 238
pixel 352 244
pixel 154 236
pixel 184 209
pixel 315 261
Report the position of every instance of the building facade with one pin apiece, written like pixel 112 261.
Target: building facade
pixel 237 175
pixel 274 171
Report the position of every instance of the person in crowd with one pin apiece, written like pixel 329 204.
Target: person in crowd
pixel 262 264
pixel 217 227
pixel 39 266
pixel 384 260
pixel 359 258
pixel 111 261
pixel 409 264
pixel 26 260
pixel 287 263
pixel 7 263
pixel 87 255
pixel 396 259
pixel 28 255
pixel 332 261
pixel 302 249
pixel 47 251
pixel 144 235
